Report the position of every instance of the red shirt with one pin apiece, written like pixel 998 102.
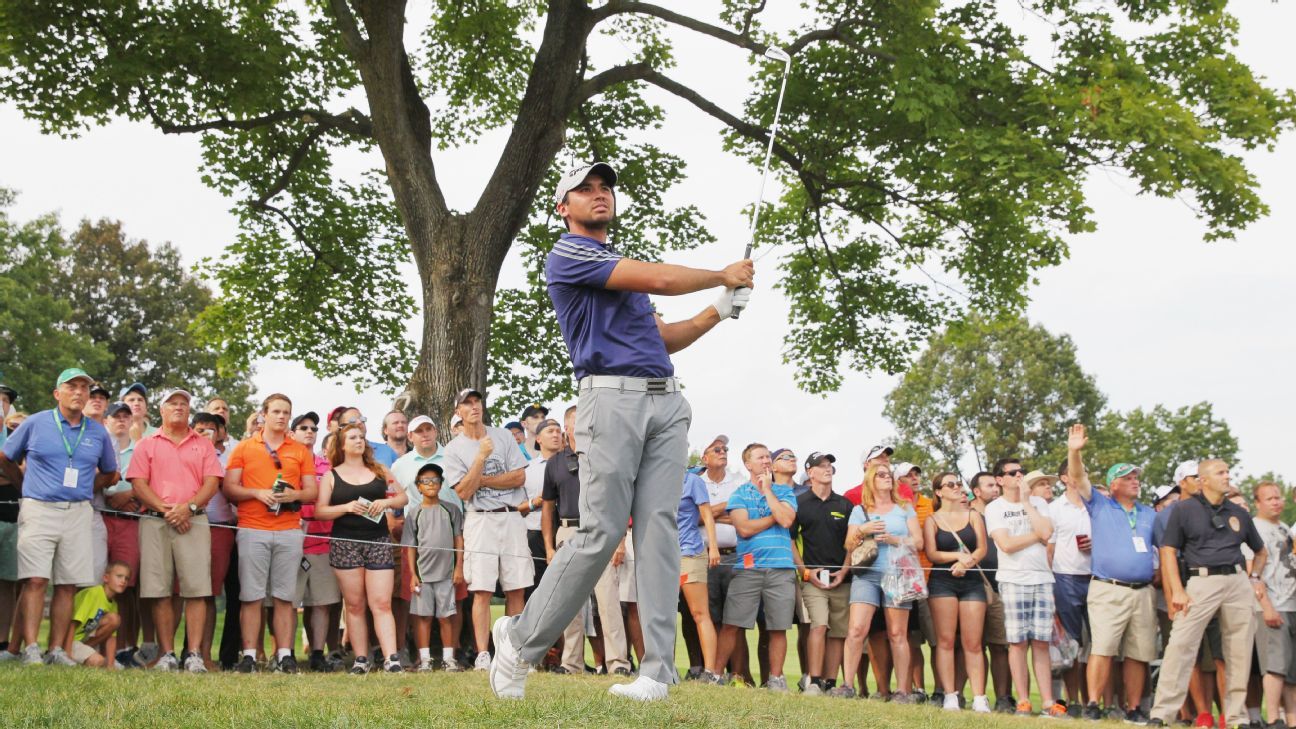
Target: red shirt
pixel 175 472
pixel 854 495
pixel 316 544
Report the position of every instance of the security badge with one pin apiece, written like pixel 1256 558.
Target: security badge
pixel 1235 524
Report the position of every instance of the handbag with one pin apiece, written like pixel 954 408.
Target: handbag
pixel 992 597
pixel 866 552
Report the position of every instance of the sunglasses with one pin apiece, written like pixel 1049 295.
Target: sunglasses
pixel 787 457
pixel 311 428
pixel 426 480
pixel 356 421
pixel 720 449
pixel 884 474
pixel 951 485
pixel 1014 472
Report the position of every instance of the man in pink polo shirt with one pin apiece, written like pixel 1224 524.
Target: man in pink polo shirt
pixel 175 473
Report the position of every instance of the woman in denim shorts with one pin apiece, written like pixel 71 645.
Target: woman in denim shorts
pixel 891 523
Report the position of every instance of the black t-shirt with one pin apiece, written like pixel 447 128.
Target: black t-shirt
pixel 562 484
pixel 354 526
pixel 990 562
pixel 821 528
pixel 1192 529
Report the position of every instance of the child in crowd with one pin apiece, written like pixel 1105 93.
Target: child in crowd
pixel 95 618
pixel 433 541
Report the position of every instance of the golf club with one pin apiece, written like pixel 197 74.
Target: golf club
pixel 775 54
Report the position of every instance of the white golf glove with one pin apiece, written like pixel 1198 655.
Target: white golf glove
pixel 731 299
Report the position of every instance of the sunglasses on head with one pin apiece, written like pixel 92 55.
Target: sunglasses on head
pixel 356 421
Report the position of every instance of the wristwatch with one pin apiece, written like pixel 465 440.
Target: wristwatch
pixel 193 509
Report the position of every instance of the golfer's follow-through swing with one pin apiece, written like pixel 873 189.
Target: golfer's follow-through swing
pixel 631 431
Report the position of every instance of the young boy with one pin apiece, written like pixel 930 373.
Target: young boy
pixel 94 615
pixel 433 541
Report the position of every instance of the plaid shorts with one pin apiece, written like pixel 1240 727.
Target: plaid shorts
pixel 1028 612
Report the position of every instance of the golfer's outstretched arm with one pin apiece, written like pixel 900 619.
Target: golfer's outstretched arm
pixel 668 279
pixel 680 334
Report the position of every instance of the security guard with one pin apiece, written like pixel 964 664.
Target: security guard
pixel 1209 530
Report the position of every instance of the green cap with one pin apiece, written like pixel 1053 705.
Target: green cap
pixel 1121 470
pixel 73 373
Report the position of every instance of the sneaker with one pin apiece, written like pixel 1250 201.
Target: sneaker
pixel 246 664
pixel 623 671
pixel 937 698
pixel 168 662
pixel 1279 724
pixel 919 696
pixel 32 656
pixel 287 664
pixel 1205 720
pixel 1114 713
pixel 126 657
pixel 648 689
pixel 335 662
pixel 811 689
pixel 508 672
pixel 842 692
pixel 1056 711
pixel 194 664
pixel 317 662
pixel 1156 722
pixel 694 673
pixel 980 704
pixel 951 702
pixel 710 679
pixel 451 666
pixel 6 656
pixel 803 682
pixel 1005 705
pixel 1091 712
pixel 147 654
pixel 424 666
pixel 1075 710
pixel 1024 709
pixel 483 662
pixel 58 657
pixel 360 667
pixel 393 665
pixel 779 684
pixel 1136 716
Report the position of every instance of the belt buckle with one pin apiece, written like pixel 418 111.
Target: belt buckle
pixel 656 386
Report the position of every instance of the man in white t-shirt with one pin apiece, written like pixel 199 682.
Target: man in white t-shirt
pixel 547 439
pixel 1274 643
pixel 1068 551
pixel 720 485
pixel 1020 527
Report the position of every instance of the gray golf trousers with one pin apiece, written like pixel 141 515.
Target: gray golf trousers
pixel 632 448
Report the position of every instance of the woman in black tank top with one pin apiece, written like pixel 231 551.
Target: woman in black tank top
pixel 954 539
pixel 355 495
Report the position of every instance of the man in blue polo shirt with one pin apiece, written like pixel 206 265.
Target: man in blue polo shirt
pixel 68 457
pixel 1122 602
pixel 632 424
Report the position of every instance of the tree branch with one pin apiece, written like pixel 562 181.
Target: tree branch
pixel 351 36
pixel 838 33
pixel 298 232
pixel 298 156
pixel 351 120
pixel 621 7
pixel 601 82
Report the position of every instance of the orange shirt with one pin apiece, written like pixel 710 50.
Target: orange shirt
pixel 923 508
pixel 259 472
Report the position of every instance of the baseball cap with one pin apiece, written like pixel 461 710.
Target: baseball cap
pixel 421 420
pixel 513 425
pixel 429 467
pixel 73 373
pixel 540 427
pixel 176 391
pixel 456 420
pixel 576 176
pixel 117 407
pixel 530 410
pixel 1038 475
pixel 817 458
pixel 336 412
pixel 775 455
pixel 98 389
pixel 876 451
pixel 134 387
pixel 1164 491
pixel 310 415
pixel 1121 470
pixel 1184 470
pixel 465 393
pixel 903 469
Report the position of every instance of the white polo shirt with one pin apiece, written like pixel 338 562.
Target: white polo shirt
pixel 726 535
pixel 534 484
pixel 1068 521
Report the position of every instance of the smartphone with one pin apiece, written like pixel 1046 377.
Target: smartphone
pixel 825 577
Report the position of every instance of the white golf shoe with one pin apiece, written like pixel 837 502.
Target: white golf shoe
pixel 508 672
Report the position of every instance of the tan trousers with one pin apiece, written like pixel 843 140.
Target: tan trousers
pixel 573 654
pixel 607 592
pixel 1230 596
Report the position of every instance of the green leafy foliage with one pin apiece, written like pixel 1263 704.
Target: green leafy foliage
pixel 1160 439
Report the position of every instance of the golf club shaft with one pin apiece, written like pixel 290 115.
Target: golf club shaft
pixel 769 151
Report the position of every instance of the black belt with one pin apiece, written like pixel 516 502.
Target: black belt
pixel 728 550
pixel 1232 569
pixel 500 510
pixel 569 522
pixel 160 515
pixel 1122 583
pixel 120 515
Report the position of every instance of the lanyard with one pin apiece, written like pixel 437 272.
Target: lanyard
pixel 1132 515
pixel 70 448
pixel 273 455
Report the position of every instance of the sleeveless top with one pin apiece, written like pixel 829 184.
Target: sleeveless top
pixel 945 541
pixel 354 526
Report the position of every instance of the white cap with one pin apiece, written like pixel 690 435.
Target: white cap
pixel 1163 491
pixel 876 451
pixel 421 420
pixel 903 469
pixel 573 177
pixel 455 421
pixel 176 391
pixel 1184 470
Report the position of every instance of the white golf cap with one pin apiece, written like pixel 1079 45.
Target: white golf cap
pixel 455 421
pixel 576 176
pixel 1164 491
pixel 903 469
pixel 876 451
pixel 421 420
pixel 1184 470
pixel 176 391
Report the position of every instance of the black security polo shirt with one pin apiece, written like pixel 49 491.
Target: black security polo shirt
pixel 1192 529
pixel 562 483
pixel 820 527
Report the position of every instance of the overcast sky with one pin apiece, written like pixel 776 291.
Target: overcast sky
pixel 1157 315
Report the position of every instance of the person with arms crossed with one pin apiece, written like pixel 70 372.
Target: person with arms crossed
pixel 632 425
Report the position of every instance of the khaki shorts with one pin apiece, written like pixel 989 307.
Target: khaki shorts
pixel 828 607
pixel 317 585
pixel 693 569
pixel 627 586
pixel 1122 621
pixel 496 550
pixel 166 554
pixel 82 652
pixel 995 631
pixel 54 542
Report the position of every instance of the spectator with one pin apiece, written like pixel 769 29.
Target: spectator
pixel 515 429
pixel 68 457
pixel 1041 485
pixel 548 441
pixel 96 409
pixel 892 524
pixel 8 396
pixel 423 433
pixel 529 419
pixel 136 396
pixel 1019 525
pixel 560 518
pixel 174 473
pixel 355 494
pixel 765 576
pixel 1207 532
pixel 954 539
pixel 220 517
pixel 97 406
pixel 1069 553
pixel 433 540
pixel 820 530
pixel 909 485
pixel 1164 496
pixel 456 426
pixel 876 455
pixel 485 468
pixel 318 592
pixel 721 484
pixel 985 489
pixel 220 406
pixel 1122 603
pixel 696 557
pixel 10 493
pixel 395 433
pixel 95 616
pixel 269 475
pixel 1274 649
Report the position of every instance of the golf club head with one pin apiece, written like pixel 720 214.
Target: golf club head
pixel 777 54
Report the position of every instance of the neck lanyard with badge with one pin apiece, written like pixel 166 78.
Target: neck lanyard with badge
pixel 69 474
pixel 1140 544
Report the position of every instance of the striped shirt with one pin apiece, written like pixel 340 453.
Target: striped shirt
pixel 772 547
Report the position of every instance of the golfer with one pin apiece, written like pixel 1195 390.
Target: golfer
pixel 632 428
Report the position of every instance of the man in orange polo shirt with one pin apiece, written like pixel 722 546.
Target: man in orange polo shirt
pixel 174 473
pixel 269 475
